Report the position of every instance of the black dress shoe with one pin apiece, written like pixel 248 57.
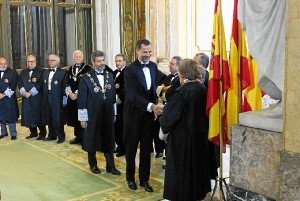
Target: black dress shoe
pixel 50 138
pixel 113 171
pixel 60 141
pixel 2 136
pixel 95 170
pixel 75 141
pixel 159 155
pixel 31 136
pixel 13 137
pixel 132 185
pixel 120 154
pixel 40 138
pixel 146 186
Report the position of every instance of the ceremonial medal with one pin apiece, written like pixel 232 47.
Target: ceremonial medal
pixel 107 86
pixel 74 78
pixel 117 86
pixel 34 79
pixel 55 82
pixel 45 81
pixel 96 89
pixel 29 80
pixel 6 80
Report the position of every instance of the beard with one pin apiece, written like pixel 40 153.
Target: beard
pixel 145 59
pixel 100 68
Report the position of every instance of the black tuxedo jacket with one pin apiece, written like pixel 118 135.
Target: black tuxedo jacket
pixel 119 83
pixel 137 97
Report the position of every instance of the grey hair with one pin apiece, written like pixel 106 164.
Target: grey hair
pixel 121 55
pixel 97 53
pixel 189 69
pixel 77 51
pixel 202 74
pixel 178 59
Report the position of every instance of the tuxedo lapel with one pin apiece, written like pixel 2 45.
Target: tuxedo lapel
pixel 152 73
pixel 141 76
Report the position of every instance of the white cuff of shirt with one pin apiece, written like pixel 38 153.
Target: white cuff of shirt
pixel 68 90
pixel 115 109
pixel 22 91
pixel 149 107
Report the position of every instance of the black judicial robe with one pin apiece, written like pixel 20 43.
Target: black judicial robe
pixel 187 175
pixel 31 107
pixel 58 85
pixel 9 111
pixel 99 134
pixel 73 80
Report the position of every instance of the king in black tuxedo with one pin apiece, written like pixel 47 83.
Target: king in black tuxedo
pixel 139 108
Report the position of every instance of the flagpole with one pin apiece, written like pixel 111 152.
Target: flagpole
pixel 220 179
pixel 221 109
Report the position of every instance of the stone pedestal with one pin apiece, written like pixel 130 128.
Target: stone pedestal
pixel 260 168
pixel 254 160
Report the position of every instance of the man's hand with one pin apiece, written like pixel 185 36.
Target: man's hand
pixel 73 96
pixel 26 95
pixel 157 109
pixel 2 95
pixel 83 124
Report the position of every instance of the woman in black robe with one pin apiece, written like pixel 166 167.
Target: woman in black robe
pixel 187 176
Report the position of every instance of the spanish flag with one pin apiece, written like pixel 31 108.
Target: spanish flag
pixel 239 71
pixel 218 82
pixel 252 94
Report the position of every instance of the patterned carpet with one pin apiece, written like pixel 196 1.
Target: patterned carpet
pixel 34 170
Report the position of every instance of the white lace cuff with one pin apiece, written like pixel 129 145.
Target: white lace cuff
pixel 8 92
pixel 33 91
pixel 83 115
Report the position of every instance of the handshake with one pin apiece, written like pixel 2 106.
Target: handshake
pixel 158 108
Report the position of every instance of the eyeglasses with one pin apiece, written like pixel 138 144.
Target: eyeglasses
pixel 31 61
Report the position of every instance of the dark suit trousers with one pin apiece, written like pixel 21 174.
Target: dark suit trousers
pixel 33 130
pixel 144 137
pixel 109 157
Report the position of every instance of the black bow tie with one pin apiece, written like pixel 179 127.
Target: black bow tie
pixel 146 65
pixel 97 73
pixel 30 70
pixel 118 70
pixel 77 66
pixel 1 71
pixel 53 70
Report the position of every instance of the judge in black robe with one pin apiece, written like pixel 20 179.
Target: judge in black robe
pixel 9 111
pixel 187 176
pixel 97 111
pixel 30 85
pixel 54 99
pixel 74 73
